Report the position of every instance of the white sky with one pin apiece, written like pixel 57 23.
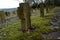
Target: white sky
pixel 9 3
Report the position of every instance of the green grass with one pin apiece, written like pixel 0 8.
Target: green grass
pixel 42 23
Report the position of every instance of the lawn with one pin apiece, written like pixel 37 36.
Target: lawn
pixel 13 31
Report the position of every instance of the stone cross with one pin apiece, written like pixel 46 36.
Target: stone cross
pixel 2 16
pixel 23 12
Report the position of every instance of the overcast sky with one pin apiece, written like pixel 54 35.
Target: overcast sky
pixel 9 3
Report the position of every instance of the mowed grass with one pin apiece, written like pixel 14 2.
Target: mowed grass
pixel 42 23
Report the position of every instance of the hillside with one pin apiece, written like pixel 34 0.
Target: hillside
pixel 8 9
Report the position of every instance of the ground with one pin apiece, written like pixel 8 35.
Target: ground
pixel 13 32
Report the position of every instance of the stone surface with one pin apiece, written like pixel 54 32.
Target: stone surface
pixel 2 16
pixel 24 14
pixel 55 25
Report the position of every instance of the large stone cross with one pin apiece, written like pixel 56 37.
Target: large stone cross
pixel 23 12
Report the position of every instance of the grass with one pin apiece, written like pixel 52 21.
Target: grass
pixel 43 23
pixel 13 30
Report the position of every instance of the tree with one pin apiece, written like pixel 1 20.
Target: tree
pixel 47 2
pixel 57 2
pixel 41 9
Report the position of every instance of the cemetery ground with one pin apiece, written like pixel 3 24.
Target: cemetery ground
pixel 42 24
